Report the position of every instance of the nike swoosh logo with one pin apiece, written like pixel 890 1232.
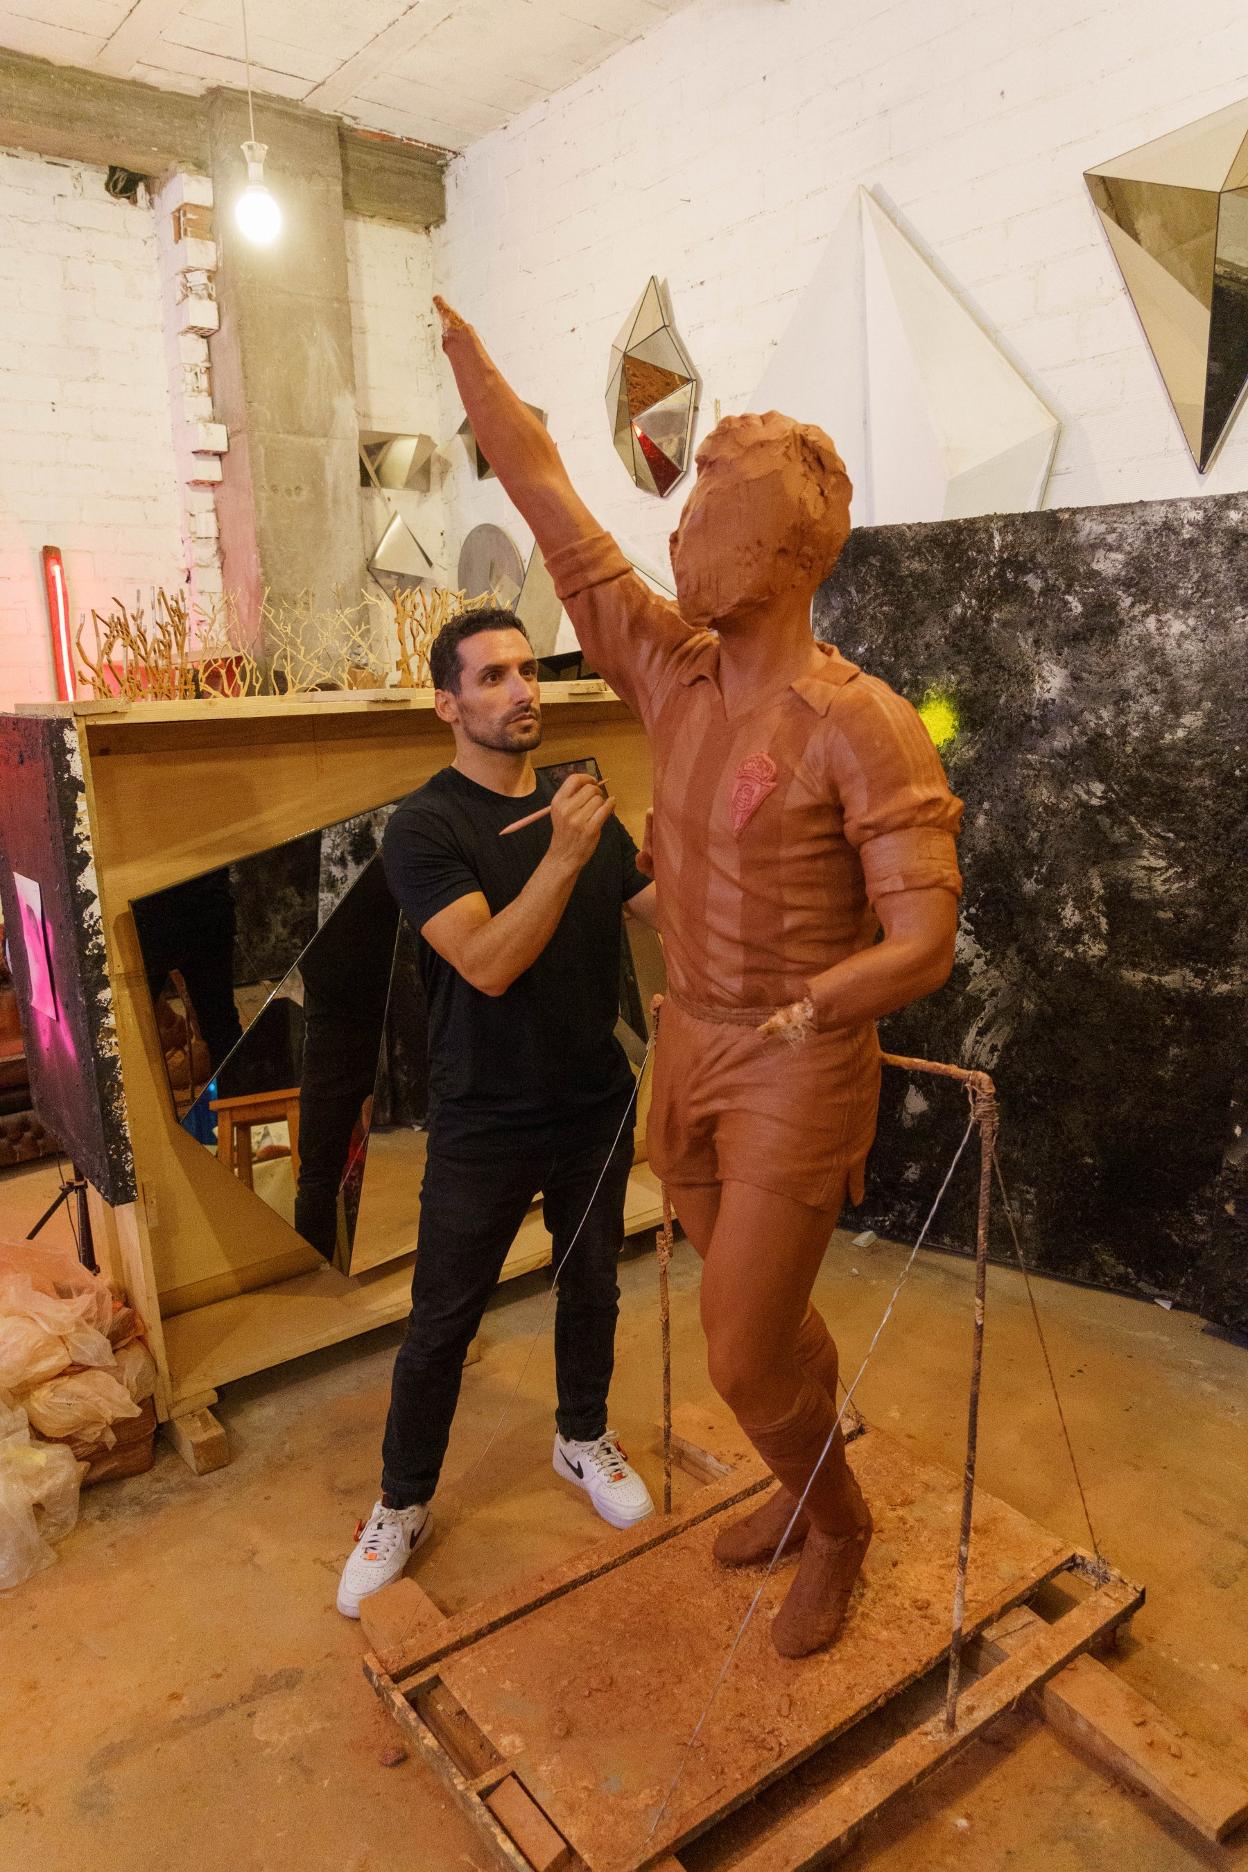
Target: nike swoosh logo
pixel 575 1467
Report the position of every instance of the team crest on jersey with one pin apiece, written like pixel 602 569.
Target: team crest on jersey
pixel 756 778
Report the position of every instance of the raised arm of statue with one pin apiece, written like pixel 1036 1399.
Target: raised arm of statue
pixel 516 445
pixel 629 634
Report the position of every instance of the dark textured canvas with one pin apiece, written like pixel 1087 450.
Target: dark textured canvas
pixel 1096 661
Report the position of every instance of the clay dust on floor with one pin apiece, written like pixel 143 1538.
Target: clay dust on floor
pixel 178 1690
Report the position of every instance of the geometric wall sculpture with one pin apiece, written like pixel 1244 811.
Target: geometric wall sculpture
pixel 390 460
pixel 1175 212
pixel 933 421
pixel 953 427
pixel 652 394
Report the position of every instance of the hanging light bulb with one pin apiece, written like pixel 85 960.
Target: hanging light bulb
pixel 258 216
pixel 256 212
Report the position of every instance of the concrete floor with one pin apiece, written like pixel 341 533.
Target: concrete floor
pixel 178 1691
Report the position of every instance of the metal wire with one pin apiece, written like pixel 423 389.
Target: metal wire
pixel 1048 1363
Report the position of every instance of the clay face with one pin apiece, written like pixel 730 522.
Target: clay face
pixel 768 515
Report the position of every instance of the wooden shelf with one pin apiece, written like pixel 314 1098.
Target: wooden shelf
pixel 248 1332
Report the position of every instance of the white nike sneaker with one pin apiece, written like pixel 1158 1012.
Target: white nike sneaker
pixel 602 1469
pixel 383 1545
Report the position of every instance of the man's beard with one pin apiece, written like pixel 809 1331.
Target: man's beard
pixel 508 737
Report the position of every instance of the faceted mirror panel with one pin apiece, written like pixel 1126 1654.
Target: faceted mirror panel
pixel 1175 213
pixel 652 394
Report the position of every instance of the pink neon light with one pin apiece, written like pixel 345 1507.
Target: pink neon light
pixel 58 618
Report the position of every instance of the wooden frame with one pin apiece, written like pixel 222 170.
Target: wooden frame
pixel 1020 1654
pixel 175 789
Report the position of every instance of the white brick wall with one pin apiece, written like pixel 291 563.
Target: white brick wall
pixel 721 151
pixel 86 444
pixel 397 376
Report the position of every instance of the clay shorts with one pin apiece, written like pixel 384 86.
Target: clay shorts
pixel 728 1105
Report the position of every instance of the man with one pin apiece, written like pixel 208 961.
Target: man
pixel 799 806
pixel 529 1089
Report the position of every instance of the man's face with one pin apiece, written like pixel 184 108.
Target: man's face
pixel 497 705
pixel 739 544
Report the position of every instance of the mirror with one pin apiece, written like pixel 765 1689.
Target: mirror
pixel 290 1004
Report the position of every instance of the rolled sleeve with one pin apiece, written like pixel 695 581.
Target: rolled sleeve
pixel 899 813
pixel 630 635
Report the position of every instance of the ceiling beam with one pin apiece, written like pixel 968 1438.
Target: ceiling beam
pixel 83 116
pixel 381 54
pixel 138 35
pixel 61 110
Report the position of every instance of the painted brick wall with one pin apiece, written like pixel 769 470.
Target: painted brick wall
pixel 86 441
pixel 397 377
pixel 722 150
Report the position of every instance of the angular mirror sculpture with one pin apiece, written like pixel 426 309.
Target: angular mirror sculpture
pixel 652 394
pixel 1175 213
pixel 390 460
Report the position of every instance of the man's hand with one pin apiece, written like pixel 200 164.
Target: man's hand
pixel 578 813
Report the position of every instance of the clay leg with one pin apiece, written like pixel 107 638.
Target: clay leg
pixel 751 1540
pixel 760 1266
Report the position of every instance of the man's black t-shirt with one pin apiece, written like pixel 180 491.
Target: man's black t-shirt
pixel 541 1060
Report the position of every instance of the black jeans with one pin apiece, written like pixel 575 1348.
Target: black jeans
pixel 469 1215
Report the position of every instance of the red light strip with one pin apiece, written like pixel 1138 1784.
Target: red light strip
pixel 58 619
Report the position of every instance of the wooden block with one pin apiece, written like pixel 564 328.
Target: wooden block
pixel 1087 1705
pixel 708 1444
pixel 396 1615
pixel 826 1828
pixel 200 1441
pixel 544 1848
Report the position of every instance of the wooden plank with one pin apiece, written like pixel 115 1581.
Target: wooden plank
pixel 473 1753
pixel 826 1829
pixel 200 1441
pixel 430 1750
pixel 479 1621
pixel 708 1443
pixel 545 1849
pixel 1100 1714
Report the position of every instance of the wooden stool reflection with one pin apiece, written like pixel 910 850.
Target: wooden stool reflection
pixel 235 1118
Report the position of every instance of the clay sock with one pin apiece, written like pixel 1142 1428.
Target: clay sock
pixel 791 1446
pixel 815 1351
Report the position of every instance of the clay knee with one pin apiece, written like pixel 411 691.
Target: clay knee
pixel 750 1383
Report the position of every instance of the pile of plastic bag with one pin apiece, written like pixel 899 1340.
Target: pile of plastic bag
pixel 72 1364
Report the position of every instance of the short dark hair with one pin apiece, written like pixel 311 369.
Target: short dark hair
pixel 445 668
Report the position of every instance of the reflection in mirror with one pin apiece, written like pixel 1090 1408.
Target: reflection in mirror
pixel 291 1007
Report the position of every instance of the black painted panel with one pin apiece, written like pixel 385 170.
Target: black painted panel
pixel 1097 662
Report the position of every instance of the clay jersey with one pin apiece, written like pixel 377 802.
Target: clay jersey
pixel 775 830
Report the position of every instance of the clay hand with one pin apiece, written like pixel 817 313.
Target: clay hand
pixel 791 1023
pixel 451 321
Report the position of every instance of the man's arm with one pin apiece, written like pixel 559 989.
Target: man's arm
pixel 643 906
pixel 492 952
pixel 519 449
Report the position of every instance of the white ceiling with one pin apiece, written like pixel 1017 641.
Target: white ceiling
pixel 445 71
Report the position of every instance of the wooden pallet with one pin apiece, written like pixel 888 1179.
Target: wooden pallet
pixel 561 1748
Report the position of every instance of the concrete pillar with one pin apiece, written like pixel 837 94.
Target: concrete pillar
pixel 283 374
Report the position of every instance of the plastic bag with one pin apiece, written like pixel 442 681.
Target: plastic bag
pixel 71 1318
pixel 136 1369
pixel 28 1352
pixel 55 1272
pixel 39 1484
pixel 82 1405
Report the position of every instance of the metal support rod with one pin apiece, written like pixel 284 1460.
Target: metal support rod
pixel 984 1106
pixel 663 1247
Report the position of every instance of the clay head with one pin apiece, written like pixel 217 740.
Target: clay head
pixel 768 516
